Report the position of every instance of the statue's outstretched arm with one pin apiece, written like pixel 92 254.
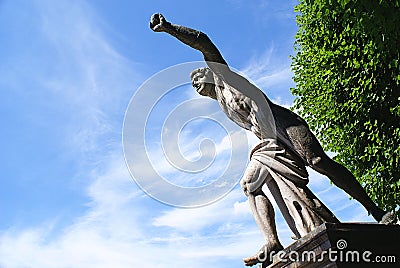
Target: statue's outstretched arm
pixel 213 57
pixel 190 37
pixel 217 64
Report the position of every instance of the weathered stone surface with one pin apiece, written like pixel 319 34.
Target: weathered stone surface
pixel 343 245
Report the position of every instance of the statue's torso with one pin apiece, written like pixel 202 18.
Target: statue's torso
pixel 239 108
pixel 287 126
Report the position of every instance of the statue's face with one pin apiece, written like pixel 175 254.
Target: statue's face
pixel 203 82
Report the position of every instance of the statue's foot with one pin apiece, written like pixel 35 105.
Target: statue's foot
pixel 389 218
pixel 263 255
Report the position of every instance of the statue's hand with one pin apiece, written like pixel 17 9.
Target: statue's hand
pixel 158 23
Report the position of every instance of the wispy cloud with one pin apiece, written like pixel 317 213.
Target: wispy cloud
pixel 272 74
pixel 90 79
pixel 199 218
pixel 264 70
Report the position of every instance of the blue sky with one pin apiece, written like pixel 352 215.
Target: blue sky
pixel 68 71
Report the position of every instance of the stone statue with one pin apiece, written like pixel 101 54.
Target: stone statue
pixel 279 161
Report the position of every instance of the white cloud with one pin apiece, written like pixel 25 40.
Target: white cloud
pixel 268 71
pixel 90 81
pixel 198 218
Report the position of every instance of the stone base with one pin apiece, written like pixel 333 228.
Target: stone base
pixel 344 245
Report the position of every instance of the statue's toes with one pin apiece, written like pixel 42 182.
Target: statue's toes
pixel 252 260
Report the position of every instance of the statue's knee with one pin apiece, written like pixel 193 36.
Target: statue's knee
pixel 261 198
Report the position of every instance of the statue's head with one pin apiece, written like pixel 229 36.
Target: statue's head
pixel 203 82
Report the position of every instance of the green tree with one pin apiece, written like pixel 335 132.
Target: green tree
pixel 347 75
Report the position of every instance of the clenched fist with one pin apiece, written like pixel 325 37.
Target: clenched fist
pixel 158 23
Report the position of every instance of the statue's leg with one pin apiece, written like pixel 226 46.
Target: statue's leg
pixel 283 207
pixel 302 210
pixel 342 178
pixel 263 213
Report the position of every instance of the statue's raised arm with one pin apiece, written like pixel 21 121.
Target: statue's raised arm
pixel 221 82
pixel 190 37
pixel 200 41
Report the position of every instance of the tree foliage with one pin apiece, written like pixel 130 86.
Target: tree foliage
pixel 347 75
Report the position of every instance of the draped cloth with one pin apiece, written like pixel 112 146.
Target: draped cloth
pixel 286 177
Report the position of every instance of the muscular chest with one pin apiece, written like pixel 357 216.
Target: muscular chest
pixel 237 107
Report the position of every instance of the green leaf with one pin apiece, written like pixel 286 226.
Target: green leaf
pixel 347 75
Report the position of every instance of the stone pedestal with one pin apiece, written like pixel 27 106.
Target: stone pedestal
pixel 344 245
